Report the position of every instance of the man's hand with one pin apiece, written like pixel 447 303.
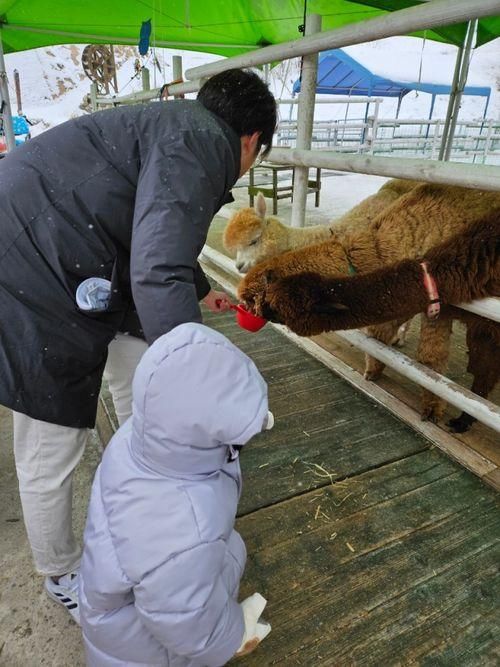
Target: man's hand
pixel 217 302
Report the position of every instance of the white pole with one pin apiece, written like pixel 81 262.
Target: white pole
pixel 305 119
pixel 482 177
pixel 176 70
pixel 485 411
pixel 421 17
pixel 5 109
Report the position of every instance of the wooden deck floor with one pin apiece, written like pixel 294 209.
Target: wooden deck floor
pixel 372 547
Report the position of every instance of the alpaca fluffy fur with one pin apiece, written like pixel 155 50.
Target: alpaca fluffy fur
pixel 252 236
pixel 465 267
pixel 409 228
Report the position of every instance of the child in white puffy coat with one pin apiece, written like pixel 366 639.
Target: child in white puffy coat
pixel 162 562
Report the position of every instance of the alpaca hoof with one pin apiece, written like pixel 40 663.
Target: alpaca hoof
pixel 373 375
pixel 460 424
pixel 429 415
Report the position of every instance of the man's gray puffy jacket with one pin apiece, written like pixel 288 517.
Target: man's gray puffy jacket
pixel 128 195
pixel 162 561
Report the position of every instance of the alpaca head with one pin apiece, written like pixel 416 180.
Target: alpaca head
pixel 253 237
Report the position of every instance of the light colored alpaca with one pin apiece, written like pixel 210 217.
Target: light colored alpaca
pixel 413 224
pixel 252 236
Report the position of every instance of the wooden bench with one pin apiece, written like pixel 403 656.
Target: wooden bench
pixel 275 191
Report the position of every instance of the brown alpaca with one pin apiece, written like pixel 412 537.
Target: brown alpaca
pixel 465 267
pixel 409 228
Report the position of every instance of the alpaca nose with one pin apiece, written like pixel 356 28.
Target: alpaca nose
pixel 241 267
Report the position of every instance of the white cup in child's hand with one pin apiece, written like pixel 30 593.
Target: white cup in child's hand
pixel 256 629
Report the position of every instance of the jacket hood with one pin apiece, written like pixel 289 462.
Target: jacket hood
pixel 194 393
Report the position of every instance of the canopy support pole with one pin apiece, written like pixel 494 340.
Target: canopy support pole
pixel 459 80
pixel 5 109
pixel 305 120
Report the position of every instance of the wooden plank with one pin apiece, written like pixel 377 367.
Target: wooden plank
pixel 424 542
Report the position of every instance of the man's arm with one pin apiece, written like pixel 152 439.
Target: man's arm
pixel 177 194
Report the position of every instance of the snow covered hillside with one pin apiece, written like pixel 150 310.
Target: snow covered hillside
pixel 53 82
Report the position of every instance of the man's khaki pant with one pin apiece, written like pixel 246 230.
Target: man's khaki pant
pixel 46 456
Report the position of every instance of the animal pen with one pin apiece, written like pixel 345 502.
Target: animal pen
pixel 372 548
pixel 443 12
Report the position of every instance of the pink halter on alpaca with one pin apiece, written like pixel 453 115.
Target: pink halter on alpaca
pixel 434 306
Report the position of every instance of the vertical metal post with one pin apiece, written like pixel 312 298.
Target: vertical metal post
pixel 305 123
pixel 450 112
pixel 17 84
pixel 464 71
pixel 5 109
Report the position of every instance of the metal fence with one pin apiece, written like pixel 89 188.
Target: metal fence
pixel 474 141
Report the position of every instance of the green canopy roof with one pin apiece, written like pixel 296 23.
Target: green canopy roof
pixel 225 27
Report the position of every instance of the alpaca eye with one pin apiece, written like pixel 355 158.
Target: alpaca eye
pixel 254 242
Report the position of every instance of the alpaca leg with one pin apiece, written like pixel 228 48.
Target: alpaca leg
pixel 433 351
pixel 484 364
pixel 400 338
pixel 385 333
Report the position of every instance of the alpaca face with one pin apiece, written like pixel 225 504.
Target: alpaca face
pixel 249 238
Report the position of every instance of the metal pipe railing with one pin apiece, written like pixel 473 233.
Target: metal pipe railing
pixel 482 177
pixel 423 17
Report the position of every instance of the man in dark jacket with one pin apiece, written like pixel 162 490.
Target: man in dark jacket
pixel 126 195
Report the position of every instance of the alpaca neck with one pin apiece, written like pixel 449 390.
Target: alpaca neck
pixel 362 253
pixel 299 237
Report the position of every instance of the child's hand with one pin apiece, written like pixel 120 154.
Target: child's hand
pixel 217 302
pixel 256 629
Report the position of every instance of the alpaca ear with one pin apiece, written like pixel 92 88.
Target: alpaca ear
pixel 260 206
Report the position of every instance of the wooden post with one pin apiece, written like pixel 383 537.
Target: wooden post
pixel 305 120
pixel 145 79
pixel 93 96
pixel 177 72
pixel 113 64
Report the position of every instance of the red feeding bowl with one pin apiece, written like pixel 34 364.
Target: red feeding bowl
pixel 247 320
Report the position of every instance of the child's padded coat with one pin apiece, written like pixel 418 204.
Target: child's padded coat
pixel 162 561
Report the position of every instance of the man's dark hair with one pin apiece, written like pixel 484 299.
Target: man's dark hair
pixel 244 101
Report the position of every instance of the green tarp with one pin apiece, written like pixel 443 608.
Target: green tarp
pixel 225 27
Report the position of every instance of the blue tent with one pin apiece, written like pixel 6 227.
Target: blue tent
pixel 339 74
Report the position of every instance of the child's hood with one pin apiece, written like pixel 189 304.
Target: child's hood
pixel 194 393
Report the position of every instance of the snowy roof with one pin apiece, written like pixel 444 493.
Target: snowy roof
pixel 340 74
